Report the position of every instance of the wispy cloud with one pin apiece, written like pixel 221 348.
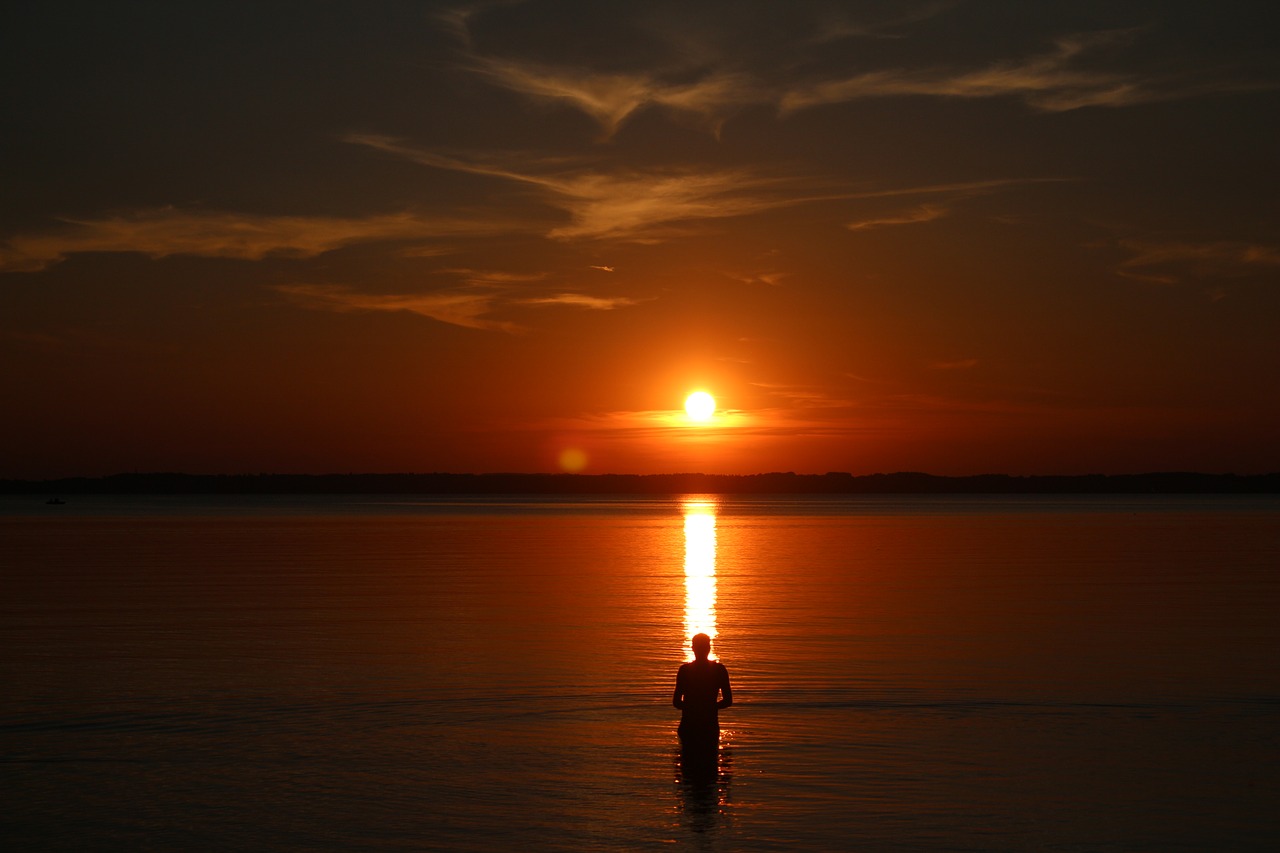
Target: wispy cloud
pixel 468 307
pixel 1170 262
pixel 623 204
pixel 164 232
pixel 764 271
pixel 493 277
pixel 632 204
pixel 959 188
pixel 700 77
pixel 923 213
pixel 645 206
pixel 600 268
pixel 930 211
pixel 1051 82
pixel 770 277
pixel 803 396
pixel 472 302
pixel 582 300
pixel 611 99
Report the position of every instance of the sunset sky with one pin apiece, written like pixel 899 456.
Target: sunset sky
pixel 330 236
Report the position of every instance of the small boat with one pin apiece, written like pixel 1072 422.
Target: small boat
pixel 55 502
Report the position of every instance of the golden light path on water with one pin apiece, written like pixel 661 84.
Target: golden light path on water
pixel 699 569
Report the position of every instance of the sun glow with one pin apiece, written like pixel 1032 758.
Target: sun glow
pixel 700 406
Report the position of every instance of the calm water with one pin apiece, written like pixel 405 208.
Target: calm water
pixel 910 673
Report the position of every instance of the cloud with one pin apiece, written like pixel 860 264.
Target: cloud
pixel 931 211
pixel 611 99
pixel 957 188
pixel 623 204
pixel 464 307
pixel 772 278
pixel 923 213
pixel 582 300
pixel 1168 263
pixel 1050 82
pixel 471 303
pixel 601 268
pixel 493 277
pixel 631 204
pixel 803 396
pixel 164 232
pixel 643 206
pixel 711 72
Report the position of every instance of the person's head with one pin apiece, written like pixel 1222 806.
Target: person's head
pixel 701 646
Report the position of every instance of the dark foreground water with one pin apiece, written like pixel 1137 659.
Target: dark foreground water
pixel 367 674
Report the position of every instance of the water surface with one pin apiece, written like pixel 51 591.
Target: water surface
pixel 443 673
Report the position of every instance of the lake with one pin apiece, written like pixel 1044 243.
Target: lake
pixel 442 673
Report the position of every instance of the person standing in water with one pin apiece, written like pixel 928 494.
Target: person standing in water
pixel 702 690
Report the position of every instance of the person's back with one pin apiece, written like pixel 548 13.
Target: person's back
pixel 702 689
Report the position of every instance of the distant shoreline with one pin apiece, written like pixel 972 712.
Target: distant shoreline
pixel 647 484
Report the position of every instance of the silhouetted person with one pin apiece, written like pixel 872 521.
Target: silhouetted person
pixel 702 689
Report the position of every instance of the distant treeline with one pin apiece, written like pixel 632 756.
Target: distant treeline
pixel 646 484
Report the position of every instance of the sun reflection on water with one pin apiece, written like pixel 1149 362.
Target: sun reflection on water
pixel 699 569
pixel 703 784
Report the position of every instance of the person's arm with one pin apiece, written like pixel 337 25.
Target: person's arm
pixel 726 691
pixel 678 699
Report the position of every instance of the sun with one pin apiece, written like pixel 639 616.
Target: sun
pixel 700 406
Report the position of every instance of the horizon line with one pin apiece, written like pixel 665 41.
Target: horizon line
pixel 776 482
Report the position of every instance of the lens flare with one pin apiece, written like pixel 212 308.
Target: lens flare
pixel 573 460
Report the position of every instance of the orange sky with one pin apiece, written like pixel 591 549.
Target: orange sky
pixel 414 236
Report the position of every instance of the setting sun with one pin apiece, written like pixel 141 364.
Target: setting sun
pixel 700 406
